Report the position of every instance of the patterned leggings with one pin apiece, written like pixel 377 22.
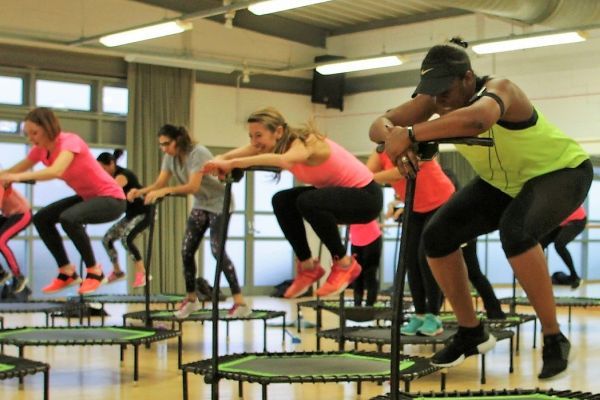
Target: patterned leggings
pixel 126 230
pixel 197 224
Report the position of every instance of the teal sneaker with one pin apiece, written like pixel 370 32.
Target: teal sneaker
pixel 431 326
pixel 412 327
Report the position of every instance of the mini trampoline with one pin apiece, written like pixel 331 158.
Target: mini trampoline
pixel 168 300
pixel 13 367
pixel 561 301
pixel 381 336
pixel 307 367
pixel 513 394
pixel 88 336
pixel 206 316
pixel 34 306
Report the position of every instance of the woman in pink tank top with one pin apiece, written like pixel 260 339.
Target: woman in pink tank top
pixel 98 198
pixel 341 191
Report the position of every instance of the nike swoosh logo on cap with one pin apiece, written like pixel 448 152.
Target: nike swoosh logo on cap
pixel 424 71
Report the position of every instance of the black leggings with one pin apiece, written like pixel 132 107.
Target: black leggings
pixel 73 213
pixel 324 209
pixel 562 236
pixel 197 224
pixel 368 257
pixel 479 208
pixel 425 292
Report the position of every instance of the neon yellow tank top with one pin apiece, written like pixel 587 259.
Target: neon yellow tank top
pixel 521 154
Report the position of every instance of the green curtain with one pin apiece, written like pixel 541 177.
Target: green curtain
pixel 457 163
pixel 159 95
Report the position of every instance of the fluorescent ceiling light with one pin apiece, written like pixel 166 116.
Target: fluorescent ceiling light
pixel 180 62
pixel 148 32
pixel 528 42
pixel 358 65
pixel 273 6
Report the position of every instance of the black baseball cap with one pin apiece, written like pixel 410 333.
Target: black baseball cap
pixel 438 77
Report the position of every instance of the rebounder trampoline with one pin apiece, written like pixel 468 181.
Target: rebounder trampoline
pixel 33 306
pixel 13 367
pixel 168 300
pixel 88 336
pixel 513 394
pixel 206 316
pixel 307 367
pixel 561 301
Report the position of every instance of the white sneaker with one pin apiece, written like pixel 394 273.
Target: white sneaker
pixel 187 307
pixel 239 311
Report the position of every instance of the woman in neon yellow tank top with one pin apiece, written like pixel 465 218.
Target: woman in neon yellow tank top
pixel 527 184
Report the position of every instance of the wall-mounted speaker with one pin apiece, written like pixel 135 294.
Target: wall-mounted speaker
pixel 328 89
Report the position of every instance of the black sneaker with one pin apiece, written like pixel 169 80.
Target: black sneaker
pixel 4 276
pixel 466 342
pixel 19 283
pixel 555 355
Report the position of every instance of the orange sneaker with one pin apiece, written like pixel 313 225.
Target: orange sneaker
pixel 91 282
pixel 61 282
pixel 140 280
pixel 304 280
pixel 339 278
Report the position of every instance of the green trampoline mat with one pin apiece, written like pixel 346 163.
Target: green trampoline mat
pixel 6 367
pixel 312 365
pixel 62 335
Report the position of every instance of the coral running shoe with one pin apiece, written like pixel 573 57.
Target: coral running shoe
pixel 304 280
pixel 140 280
pixel 61 282
pixel 339 278
pixel 91 282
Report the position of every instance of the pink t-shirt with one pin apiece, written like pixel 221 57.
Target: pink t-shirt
pixel 12 202
pixel 84 175
pixel 577 215
pixel 364 234
pixel 434 188
pixel 340 169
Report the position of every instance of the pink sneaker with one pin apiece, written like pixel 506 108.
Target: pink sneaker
pixel 91 282
pixel 61 282
pixel 115 277
pixel 339 278
pixel 140 279
pixel 304 280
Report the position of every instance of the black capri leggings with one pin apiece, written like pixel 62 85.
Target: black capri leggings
pixel 324 209
pixel 479 208
pixel 73 213
pixel 368 257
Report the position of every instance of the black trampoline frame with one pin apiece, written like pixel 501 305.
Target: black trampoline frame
pixel 49 309
pixel 204 367
pixel 26 367
pixel 560 301
pixel 559 394
pixel 158 336
pixel 194 317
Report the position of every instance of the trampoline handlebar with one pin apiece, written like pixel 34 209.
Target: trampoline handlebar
pixel 468 140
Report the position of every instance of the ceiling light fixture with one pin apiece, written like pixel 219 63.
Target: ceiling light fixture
pixel 273 6
pixel 529 42
pixel 358 65
pixel 145 33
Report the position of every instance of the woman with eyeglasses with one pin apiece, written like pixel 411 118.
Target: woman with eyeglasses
pixel 184 160
pixel 98 198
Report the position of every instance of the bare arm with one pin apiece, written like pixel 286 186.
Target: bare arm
pixel 244 151
pixel 419 109
pixel 191 186
pixel 54 171
pixel 160 182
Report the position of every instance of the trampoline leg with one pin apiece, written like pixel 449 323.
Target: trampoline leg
pixel 283 331
pixel 179 349
pixel 511 362
pixel 136 351
pixel 122 353
pixel 264 335
pixel 407 386
pixel 227 331
pixel 185 384
pixel 264 392
pixel 47 320
pixel 569 315
pixel 299 319
pixel 519 338
pixel 443 380
pixel 21 351
pixel 241 389
pixel 358 388
pixel 102 315
pixel 483 369
pixel 46 384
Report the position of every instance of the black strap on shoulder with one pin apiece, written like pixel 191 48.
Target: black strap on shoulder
pixel 483 92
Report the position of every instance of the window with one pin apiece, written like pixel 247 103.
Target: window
pixel 11 90
pixel 115 100
pixel 7 126
pixel 64 95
